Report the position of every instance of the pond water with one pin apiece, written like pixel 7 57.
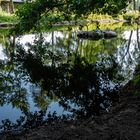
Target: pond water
pixel 59 72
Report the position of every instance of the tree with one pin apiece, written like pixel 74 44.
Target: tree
pixel 31 13
pixel 0 5
pixel 11 7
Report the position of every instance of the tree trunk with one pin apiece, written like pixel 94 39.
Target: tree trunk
pixel 11 7
pixel 0 6
pixel 134 5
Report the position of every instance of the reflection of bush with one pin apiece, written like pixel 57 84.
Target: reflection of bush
pixel 74 81
pixel 24 123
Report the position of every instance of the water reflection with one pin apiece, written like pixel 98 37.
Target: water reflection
pixel 82 76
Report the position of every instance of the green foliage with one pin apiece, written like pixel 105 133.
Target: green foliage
pixel 136 80
pixel 31 13
pixel 114 6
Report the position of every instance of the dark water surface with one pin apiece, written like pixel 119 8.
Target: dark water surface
pixel 57 71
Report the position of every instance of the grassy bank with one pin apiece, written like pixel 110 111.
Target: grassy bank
pixel 6 17
pixel 122 16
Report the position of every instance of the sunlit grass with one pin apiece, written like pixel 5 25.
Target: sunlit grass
pixel 99 16
pixel 6 17
pixel 123 16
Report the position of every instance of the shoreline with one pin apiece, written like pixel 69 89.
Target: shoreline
pixel 66 23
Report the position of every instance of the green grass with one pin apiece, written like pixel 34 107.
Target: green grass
pixel 5 17
pixel 99 17
pixel 122 16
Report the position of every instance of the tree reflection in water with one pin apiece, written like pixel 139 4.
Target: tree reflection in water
pixel 83 78
pixel 82 88
pixel 11 90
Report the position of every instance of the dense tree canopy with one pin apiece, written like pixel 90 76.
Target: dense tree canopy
pixel 31 12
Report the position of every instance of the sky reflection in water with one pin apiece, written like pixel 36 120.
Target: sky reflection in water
pixel 59 69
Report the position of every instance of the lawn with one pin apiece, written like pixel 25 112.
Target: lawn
pixel 5 17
